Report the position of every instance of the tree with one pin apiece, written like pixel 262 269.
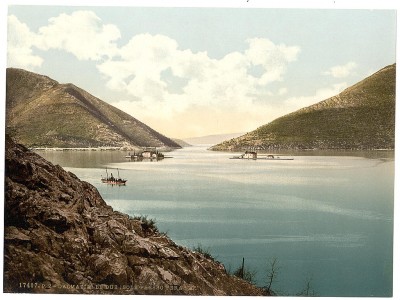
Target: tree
pixel 308 290
pixel 272 275
pixel 245 273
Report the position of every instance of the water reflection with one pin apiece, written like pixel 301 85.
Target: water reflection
pixel 373 154
pixel 83 159
pixel 100 159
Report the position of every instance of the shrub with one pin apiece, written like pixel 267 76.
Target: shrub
pixel 148 224
pixel 205 251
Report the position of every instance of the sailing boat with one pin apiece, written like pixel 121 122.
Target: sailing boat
pixel 113 180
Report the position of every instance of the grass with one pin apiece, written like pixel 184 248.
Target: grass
pixel 361 117
pixel 246 274
pixel 148 224
pixel 205 251
pixel 45 113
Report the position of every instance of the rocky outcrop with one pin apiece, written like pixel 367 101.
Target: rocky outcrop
pixel 61 237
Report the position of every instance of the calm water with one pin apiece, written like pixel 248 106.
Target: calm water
pixel 328 219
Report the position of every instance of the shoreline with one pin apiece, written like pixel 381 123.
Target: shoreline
pixel 79 149
pixel 45 149
pixel 302 150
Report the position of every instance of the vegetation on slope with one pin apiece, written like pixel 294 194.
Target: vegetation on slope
pixel 43 113
pixel 361 117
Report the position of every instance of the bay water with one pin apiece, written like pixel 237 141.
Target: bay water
pixel 327 218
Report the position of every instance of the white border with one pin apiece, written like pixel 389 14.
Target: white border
pixel 308 4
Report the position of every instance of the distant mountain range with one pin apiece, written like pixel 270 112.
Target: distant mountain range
pixel 41 112
pixel 181 143
pixel 360 117
pixel 211 139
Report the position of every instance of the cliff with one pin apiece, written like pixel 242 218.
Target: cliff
pixel 61 237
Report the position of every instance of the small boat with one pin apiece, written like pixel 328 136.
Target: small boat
pixel 113 180
pixel 254 156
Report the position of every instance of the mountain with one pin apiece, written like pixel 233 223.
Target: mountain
pixel 360 117
pixel 43 113
pixel 181 143
pixel 211 139
pixel 61 237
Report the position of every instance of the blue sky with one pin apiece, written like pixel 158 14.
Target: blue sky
pixel 198 71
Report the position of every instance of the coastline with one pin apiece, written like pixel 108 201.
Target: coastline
pixel 96 148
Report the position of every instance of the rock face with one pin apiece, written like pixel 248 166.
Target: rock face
pixel 43 113
pixel 362 117
pixel 61 237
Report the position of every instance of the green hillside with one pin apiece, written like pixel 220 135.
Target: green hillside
pixel 361 117
pixel 43 113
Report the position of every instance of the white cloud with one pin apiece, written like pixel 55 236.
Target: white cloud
pixel 341 71
pixel 273 58
pixel 219 95
pixel 282 91
pixel 81 33
pixel 138 67
pixel 19 45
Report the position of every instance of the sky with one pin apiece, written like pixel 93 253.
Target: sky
pixel 195 71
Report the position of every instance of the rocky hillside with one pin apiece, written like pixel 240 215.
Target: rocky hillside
pixel 61 237
pixel 43 113
pixel 361 117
